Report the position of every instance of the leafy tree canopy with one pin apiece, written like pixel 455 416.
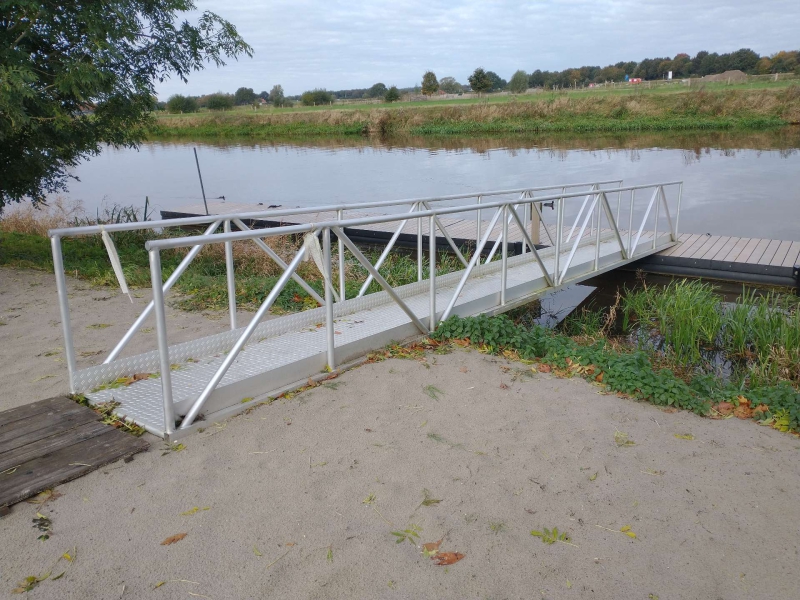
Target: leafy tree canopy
pixel 449 85
pixel 244 96
pixel 430 85
pixel 498 83
pixel 181 104
pixel 76 75
pixel 276 95
pixel 316 97
pixel 392 94
pixel 519 82
pixel 376 91
pixel 219 101
pixel 480 81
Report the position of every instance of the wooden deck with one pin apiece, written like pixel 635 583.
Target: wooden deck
pixel 53 441
pixel 728 258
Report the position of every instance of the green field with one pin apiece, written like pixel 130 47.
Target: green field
pixel 672 107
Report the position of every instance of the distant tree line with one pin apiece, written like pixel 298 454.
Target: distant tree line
pixel 481 81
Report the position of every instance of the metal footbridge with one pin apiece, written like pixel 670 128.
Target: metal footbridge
pixel 566 234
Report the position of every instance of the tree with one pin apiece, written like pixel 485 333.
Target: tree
pixel 498 83
pixel 449 85
pixel 244 96
pixel 181 104
pixel 430 85
pixel 276 96
pixel 316 96
pixel 480 81
pixel 219 101
pixel 264 95
pixel 392 94
pixel 77 75
pixel 376 91
pixel 519 82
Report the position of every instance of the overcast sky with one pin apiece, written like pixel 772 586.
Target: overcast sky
pixel 343 44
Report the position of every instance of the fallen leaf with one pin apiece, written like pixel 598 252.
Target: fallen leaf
pixel 725 408
pixel 446 558
pixel 159 584
pixel 463 369
pixel 173 538
pixel 290 544
pixel 544 368
pixel 592 477
pixel 569 584
pixel 503 386
pixel 684 436
pixel 194 510
pixel 44 497
pixel 431 548
pixel 670 409
pixel 599 378
pixel 256 551
pixel 140 376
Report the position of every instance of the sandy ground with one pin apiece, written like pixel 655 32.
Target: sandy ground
pixel 303 495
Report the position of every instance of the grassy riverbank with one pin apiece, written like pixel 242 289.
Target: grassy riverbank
pixel 542 113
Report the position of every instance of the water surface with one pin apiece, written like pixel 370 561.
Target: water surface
pixel 735 184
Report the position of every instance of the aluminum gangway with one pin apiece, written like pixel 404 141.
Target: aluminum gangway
pixel 207 379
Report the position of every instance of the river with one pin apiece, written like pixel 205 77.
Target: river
pixel 742 184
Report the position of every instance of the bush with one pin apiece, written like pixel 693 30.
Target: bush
pixel 316 97
pixel 219 101
pixel 392 95
pixel 181 104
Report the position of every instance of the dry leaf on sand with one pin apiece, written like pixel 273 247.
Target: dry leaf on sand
pixel 173 538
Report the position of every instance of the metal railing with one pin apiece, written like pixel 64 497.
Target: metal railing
pixel 518 208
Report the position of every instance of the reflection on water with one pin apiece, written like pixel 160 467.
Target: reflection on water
pixel 745 184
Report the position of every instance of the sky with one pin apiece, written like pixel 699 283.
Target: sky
pixel 344 44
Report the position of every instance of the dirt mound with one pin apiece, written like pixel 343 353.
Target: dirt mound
pixel 729 76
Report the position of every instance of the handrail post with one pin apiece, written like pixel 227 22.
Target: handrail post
pixel 504 258
pixel 559 238
pixel 478 223
pixel 163 343
pixel 230 275
pixel 63 304
pixel 677 212
pixel 329 325
pixel 630 225
pixel 419 247
pixel 432 274
pixel 342 292
pixel 597 232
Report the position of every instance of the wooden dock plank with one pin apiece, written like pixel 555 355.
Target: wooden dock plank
pixel 793 256
pixel 780 254
pixel 24 431
pixel 725 248
pixel 710 247
pixel 44 446
pixel 772 248
pixel 67 463
pixel 758 252
pixel 51 441
pixel 692 246
pixel 748 250
pixel 736 250
pixel 701 246
pixel 715 247
pixel 685 241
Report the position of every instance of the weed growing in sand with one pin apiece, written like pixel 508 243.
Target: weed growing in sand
pixel 428 499
pixel 410 534
pixel 551 537
pixel 497 527
pixel 433 392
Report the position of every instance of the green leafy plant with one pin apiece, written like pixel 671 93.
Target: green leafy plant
pixel 551 537
pixel 410 534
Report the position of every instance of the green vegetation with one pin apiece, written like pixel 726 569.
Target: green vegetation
pixel 759 336
pixel 178 104
pixel 674 109
pixel 430 85
pixel 76 76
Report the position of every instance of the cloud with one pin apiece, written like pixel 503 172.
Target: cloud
pixel 340 44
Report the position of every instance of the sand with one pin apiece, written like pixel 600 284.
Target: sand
pixel 303 495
